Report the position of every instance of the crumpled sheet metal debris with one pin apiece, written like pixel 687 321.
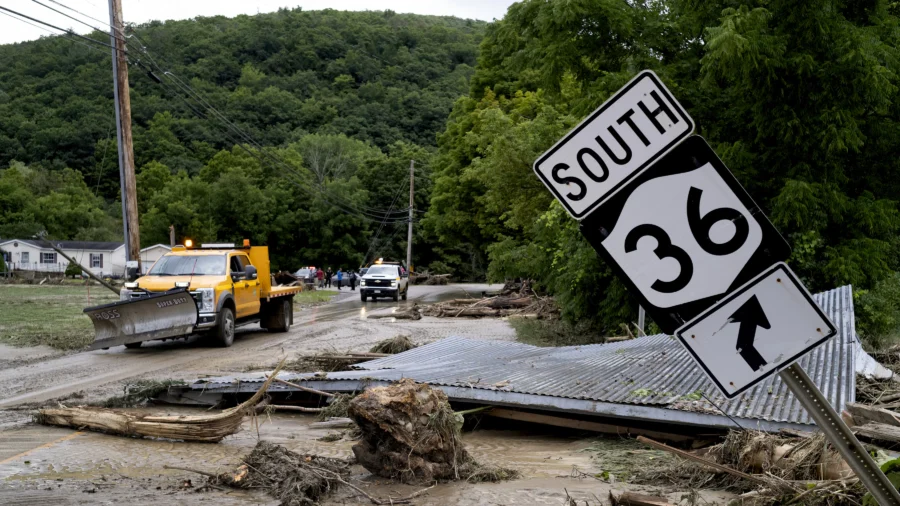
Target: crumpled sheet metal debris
pixel 650 378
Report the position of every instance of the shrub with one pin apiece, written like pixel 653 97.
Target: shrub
pixel 73 270
pixel 878 313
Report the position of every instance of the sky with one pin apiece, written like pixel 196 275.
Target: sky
pixel 141 11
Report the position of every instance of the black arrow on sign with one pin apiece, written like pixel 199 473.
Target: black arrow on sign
pixel 750 315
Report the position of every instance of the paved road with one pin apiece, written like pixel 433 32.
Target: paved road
pixel 37 382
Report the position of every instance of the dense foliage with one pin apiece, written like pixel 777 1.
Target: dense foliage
pixel 798 98
pixel 341 101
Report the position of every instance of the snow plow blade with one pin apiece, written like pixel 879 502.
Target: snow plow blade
pixel 155 316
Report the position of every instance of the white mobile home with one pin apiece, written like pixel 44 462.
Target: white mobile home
pixel 101 258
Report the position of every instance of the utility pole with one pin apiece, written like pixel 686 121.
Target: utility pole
pixel 171 235
pixel 122 97
pixel 412 168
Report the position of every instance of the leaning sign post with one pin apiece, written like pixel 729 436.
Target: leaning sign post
pixel 666 214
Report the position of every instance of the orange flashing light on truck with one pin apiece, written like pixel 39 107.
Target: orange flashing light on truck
pixel 211 289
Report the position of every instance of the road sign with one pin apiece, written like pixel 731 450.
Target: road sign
pixel 691 245
pixel 757 330
pixel 619 140
pixel 683 234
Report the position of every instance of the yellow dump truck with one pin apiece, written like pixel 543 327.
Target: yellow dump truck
pixel 211 289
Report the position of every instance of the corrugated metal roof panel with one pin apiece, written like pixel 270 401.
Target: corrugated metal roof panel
pixel 649 371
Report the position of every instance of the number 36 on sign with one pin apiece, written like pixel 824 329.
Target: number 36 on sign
pixel 683 234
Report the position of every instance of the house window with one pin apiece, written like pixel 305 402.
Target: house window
pixel 25 257
pixel 97 260
pixel 48 258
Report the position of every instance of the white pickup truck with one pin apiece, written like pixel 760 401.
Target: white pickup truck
pixel 384 280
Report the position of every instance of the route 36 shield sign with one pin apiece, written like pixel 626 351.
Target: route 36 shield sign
pixel 683 234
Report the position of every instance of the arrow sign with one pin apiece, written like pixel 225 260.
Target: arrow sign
pixel 773 313
pixel 750 315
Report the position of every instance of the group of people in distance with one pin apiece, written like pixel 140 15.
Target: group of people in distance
pixel 323 278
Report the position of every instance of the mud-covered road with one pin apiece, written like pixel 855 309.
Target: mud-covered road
pixel 36 381
pixel 47 465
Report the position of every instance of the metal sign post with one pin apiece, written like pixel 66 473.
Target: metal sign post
pixel 840 435
pixel 692 246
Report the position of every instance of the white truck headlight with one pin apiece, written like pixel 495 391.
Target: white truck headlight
pixel 125 294
pixel 394 282
pixel 362 283
pixel 207 300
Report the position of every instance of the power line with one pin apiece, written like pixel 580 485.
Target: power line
pixel 365 212
pixel 63 35
pixel 380 227
pixel 76 19
pixel 66 31
pixel 106 23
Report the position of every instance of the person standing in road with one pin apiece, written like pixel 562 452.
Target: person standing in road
pixel 328 275
pixel 353 280
pixel 320 278
pixel 340 276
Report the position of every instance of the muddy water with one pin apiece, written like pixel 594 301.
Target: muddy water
pixel 126 469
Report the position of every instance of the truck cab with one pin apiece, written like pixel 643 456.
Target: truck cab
pixel 384 279
pixel 230 285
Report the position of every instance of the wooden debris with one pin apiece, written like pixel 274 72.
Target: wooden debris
pixel 302 409
pixel 497 306
pixel 299 387
pixel 865 414
pixel 205 428
pixel 880 434
pixel 635 499
pixel 333 423
pixel 558 421
pixel 700 460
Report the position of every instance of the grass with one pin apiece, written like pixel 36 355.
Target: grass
pixel 139 392
pixel 625 458
pixel 32 315
pixel 553 333
pixel 313 296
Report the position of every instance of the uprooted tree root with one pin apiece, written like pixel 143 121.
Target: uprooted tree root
pixel 394 345
pixel 292 478
pixel 410 433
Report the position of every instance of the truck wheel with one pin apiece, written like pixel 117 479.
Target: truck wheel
pixel 132 346
pixel 397 295
pixel 224 331
pixel 405 293
pixel 285 324
pixel 362 296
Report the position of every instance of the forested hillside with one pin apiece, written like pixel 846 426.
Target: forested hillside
pixel 800 99
pixel 344 100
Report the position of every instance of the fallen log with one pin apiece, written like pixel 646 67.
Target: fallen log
pixel 203 428
pixel 881 434
pixel 634 499
pixel 863 414
pixel 333 423
pixel 700 460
